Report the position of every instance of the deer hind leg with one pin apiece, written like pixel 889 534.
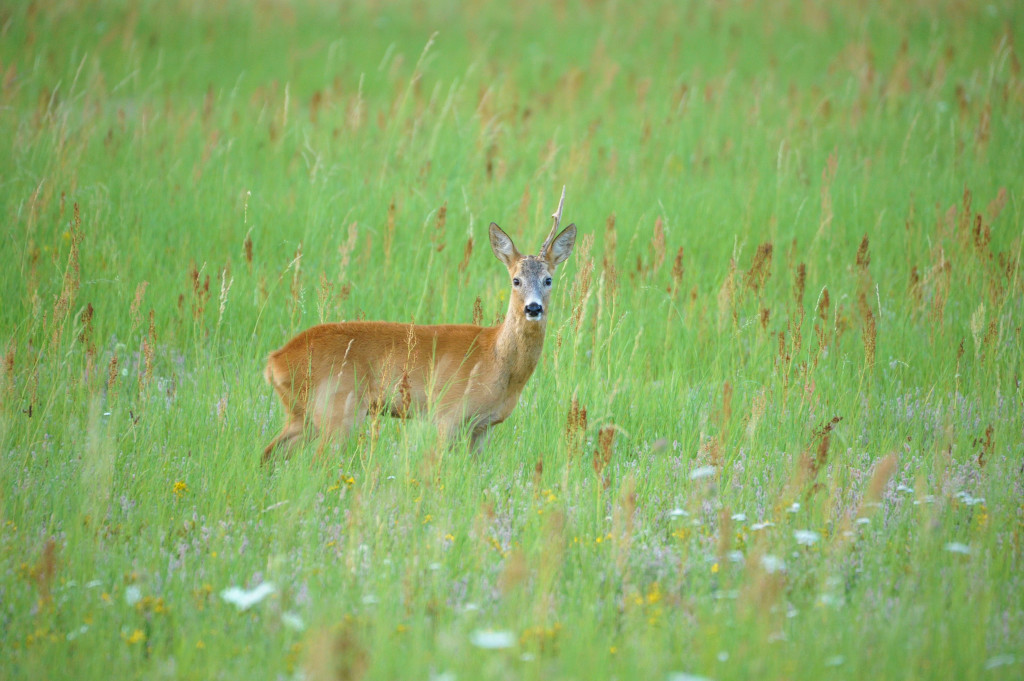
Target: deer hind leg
pixel 338 407
pixel 286 439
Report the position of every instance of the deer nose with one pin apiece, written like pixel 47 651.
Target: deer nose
pixel 534 310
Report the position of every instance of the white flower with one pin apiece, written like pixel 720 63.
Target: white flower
pixel 244 599
pixel 739 517
pixel 684 676
pixel 806 537
pixel 292 621
pixel 677 512
pixel 957 547
pixel 968 500
pixel 492 640
pixel 772 564
pixel 760 526
pixel 794 507
pixel 999 661
pixel 702 472
pixel 132 595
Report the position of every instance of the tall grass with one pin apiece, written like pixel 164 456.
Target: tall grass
pixel 776 432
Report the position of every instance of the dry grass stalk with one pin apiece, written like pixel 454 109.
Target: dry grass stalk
pixel 581 285
pixel 658 246
pixel 608 262
pixel 71 282
pixel 727 295
pixel 884 468
pixel 438 236
pixel 336 655
pixel 799 283
pixel 863 255
pixel 986 446
pixel 870 330
pixel 478 312
pixel 575 427
pixel 760 268
pixel 44 571
pixel 136 305
pixel 467 252
pixel 148 350
pixel 603 453
pixel 677 271
pixel 724 544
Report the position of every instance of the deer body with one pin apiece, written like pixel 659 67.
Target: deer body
pixel 331 376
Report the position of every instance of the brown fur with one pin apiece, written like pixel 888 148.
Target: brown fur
pixel 330 376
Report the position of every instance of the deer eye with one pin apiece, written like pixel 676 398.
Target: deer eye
pixel 516 282
pixel 547 281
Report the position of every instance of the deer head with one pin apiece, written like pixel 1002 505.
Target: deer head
pixel 531 274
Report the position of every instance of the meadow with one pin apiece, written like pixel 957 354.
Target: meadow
pixel 777 431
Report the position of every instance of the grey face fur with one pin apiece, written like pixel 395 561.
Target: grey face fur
pixel 531 274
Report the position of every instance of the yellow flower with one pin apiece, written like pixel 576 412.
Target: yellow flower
pixel 136 636
pixel 714 569
pixel 180 488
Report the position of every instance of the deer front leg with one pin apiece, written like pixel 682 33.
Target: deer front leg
pixel 481 434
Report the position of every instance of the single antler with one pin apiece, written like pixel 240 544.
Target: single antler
pixel 557 216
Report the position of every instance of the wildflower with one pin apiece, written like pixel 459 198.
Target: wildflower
pixel 677 513
pixel 772 564
pixel 702 472
pixel 958 547
pixel 684 676
pixel 739 517
pixel 180 488
pixel 137 636
pixel 244 599
pixel 714 568
pixel 132 595
pixel 999 661
pixel 292 621
pixel 806 537
pixel 492 640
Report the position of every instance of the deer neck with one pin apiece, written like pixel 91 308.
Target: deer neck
pixel 519 344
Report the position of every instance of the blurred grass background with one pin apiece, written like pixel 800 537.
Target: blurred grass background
pixel 777 428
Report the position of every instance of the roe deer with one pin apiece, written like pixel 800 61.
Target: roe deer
pixel 330 376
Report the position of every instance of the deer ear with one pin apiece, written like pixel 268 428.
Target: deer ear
pixel 502 246
pixel 561 247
